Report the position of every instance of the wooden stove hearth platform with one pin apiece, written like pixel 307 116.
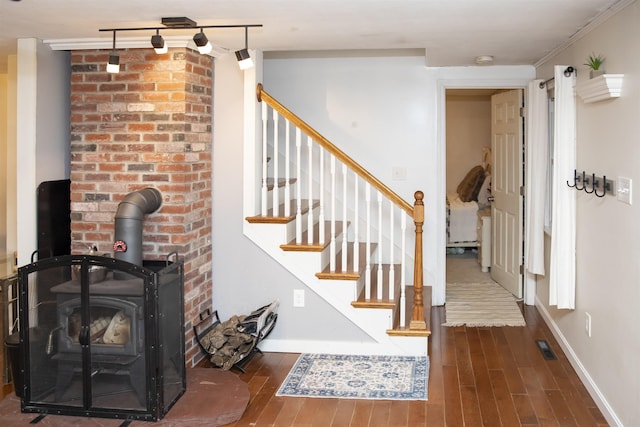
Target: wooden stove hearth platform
pixel 213 398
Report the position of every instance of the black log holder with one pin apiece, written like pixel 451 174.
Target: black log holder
pixel 258 325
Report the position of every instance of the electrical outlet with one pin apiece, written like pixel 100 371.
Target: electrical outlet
pixel 587 324
pixel 298 297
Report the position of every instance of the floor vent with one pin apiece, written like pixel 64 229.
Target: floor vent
pixel 546 351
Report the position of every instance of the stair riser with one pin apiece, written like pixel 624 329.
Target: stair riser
pixel 291 226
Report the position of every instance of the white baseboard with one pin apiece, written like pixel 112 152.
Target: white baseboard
pixel 331 347
pixel 591 386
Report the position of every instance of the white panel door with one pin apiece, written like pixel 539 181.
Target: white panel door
pixel 507 207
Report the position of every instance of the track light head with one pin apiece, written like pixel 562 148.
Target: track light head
pixel 113 64
pixel 159 44
pixel 244 59
pixel 202 42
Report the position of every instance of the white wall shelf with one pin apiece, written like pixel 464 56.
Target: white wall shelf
pixel 600 88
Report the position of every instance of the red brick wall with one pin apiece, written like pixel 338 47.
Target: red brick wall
pixel 148 126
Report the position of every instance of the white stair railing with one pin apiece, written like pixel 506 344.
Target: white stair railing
pixel 316 185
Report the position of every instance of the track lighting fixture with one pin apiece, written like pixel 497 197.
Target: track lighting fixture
pixel 182 23
pixel 242 55
pixel 159 44
pixel 113 64
pixel 202 42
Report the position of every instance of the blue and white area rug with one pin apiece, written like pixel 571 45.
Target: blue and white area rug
pixel 358 377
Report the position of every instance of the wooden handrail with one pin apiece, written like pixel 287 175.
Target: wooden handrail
pixel 339 154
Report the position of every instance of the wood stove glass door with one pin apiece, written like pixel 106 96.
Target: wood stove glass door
pixel 116 343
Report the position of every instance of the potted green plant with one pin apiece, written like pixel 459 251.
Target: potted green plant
pixel 594 62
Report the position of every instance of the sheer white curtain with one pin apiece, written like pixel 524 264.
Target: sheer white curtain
pixel 562 280
pixel 536 188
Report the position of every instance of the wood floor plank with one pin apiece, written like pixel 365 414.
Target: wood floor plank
pixel 288 412
pixel 436 416
pixel 560 409
pixel 326 413
pixel 537 395
pixel 453 402
pixel 417 413
pixel 399 413
pixel 509 363
pixel 270 413
pixel 380 412
pixel 486 397
pixel 344 413
pixel 504 401
pixel 470 405
pixel 491 356
pixel 362 413
pixel 463 359
pixel 524 409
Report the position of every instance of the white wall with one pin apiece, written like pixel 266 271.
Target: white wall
pixel 468 131
pixel 387 111
pixel 3 161
pixel 244 277
pixel 9 134
pixel 608 231
pixel 384 111
pixel 42 132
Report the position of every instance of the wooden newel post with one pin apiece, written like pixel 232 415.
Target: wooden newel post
pixel 417 318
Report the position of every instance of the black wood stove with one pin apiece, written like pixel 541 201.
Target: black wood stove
pixel 102 337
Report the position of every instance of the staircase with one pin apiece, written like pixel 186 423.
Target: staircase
pixel 341 231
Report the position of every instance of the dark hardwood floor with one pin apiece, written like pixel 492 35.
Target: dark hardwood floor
pixel 478 376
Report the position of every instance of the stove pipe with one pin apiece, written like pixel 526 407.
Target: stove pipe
pixel 128 224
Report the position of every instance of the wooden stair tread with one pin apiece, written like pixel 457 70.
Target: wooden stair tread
pixel 315 246
pixel 282 219
pixel 406 331
pixel 348 273
pixel 386 301
pixel 281 182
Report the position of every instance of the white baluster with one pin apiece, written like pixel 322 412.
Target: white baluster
pixel 403 298
pixel 379 276
pixel 275 193
pixel 298 188
pixel 332 244
pixel 392 265
pixel 367 274
pixel 310 195
pixel 287 167
pixel 356 246
pixel 321 236
pixel 344 218
pixel 265 155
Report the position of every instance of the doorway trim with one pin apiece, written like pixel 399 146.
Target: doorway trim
pixel 439 293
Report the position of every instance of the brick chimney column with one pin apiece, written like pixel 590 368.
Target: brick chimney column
pixel 147 126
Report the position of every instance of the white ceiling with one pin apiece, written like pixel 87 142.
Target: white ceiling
pixel 452 32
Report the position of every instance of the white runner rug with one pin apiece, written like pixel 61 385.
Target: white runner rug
pixel 481 304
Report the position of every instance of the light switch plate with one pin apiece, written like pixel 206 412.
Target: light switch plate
pixel 624 190
pixel 399 173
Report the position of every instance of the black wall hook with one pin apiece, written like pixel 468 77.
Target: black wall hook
pixel 591 184
pixel 577 180
pixel 606 186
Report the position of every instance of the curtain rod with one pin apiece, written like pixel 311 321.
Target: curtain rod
pixel 567 72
